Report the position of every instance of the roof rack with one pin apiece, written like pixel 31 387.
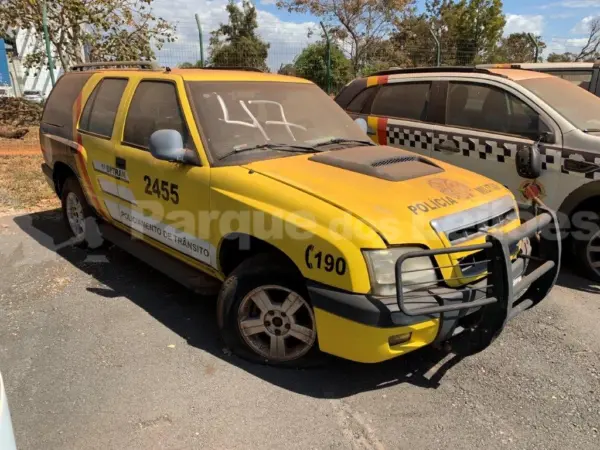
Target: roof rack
pixel 247 69
pixel 464 69
pixel 147 65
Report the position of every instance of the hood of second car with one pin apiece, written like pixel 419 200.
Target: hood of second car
pixel 385 204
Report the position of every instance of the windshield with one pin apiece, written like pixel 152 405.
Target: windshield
pixel 575 104
pixel 237 115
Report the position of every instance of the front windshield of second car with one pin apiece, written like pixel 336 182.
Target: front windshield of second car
pixel 574 103
pixel 237 115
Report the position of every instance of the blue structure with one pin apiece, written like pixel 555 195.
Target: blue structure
pixel 4 73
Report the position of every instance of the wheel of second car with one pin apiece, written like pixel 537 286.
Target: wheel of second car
pixel 264 314
pixel 587 251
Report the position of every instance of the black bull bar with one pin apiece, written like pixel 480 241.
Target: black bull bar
pixel 498 297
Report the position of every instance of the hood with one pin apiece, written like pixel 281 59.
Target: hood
pixel 385 186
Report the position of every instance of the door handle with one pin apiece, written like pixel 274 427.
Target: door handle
pixel 120 163
pixel 447 146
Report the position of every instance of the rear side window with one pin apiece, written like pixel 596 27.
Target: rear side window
pixel 402 100
pixel 101 108
pixel 59 107
pixel 154 106
pixel 358 103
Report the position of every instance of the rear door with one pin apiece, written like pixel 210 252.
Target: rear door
pixel 95 130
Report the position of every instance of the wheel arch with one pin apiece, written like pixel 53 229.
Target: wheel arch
pixel 235 248
pixel 60 173
pixel 579 197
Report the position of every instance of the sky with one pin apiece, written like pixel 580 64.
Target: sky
pixel 562 24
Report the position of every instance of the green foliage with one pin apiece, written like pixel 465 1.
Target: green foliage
pixel 189 65
pixel 517 48
pixel 108 30
pixel 468 31
pixel 312 64
pixel 236 43
pixel 357 25
pixel 562 57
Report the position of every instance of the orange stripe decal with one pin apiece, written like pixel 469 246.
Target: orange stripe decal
pixel 80 161
pixel 382 130
pixel 383 79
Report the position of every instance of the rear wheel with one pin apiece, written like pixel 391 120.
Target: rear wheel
pixel 79 216
pixel 264 314
pixel 588 254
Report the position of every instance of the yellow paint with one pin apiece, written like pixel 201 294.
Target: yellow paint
pixel 376 211
pixel 362 343
pixel 372 124
pixel 371 81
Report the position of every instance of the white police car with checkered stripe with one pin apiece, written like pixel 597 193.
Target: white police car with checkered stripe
pixel 479 119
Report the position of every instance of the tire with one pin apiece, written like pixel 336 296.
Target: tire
pixel 587 254
pixel 260 294
pixel 84 227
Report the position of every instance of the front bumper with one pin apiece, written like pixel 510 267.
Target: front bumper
pixel 364 328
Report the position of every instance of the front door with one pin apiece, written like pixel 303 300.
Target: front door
pixel 165 203
pixel 484 127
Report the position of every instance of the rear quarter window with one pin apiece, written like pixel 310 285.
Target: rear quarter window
pixel 59 107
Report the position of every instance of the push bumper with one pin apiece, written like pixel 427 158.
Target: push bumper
pixel 365 328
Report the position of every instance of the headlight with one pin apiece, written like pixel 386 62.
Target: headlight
pixel 382 270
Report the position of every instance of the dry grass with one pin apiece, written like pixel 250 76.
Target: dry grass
pixel 23 186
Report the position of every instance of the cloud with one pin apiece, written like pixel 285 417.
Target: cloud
pixel 583 26
pixel 268 2
pixel 579 3
pixel 562 45
pixel 287 39
pixel 516 23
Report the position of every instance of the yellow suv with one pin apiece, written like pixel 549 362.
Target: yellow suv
pixel 260 188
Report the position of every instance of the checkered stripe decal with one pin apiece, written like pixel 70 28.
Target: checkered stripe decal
pixel 486 149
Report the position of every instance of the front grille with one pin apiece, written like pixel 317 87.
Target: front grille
pixel 465 225
pixel 476 263
pixel 475 229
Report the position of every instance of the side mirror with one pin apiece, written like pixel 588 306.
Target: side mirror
pixel 167 145
pixel 529 162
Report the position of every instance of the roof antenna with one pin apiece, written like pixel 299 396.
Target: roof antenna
pixel 167 69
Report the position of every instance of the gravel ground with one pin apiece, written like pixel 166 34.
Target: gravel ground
pixel 99 355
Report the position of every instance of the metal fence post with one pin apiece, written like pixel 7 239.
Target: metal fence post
pixel 47 39
pixel 328 49
pixel 200 39
pixel 537 46
pixel 438 51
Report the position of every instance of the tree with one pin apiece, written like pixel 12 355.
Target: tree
pixel 287 69
pixel 518 47
pixel 236 43
pixel 357 25
pixel 189 65
pixel 478 29
pixel 562 57
pixel 107 30
pixel 312 65
pixel 468 31
pixel 590 49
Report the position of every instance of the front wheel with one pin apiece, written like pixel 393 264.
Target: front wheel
pixel 265 316
pixel 588 253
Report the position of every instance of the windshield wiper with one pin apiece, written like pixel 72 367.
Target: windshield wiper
pixel 274 146
pixel 592 130
pixel 342 141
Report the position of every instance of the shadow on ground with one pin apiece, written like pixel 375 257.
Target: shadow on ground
pixel 193 318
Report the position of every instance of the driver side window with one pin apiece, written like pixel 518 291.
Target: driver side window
pixel 154 106
pixel 488 108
